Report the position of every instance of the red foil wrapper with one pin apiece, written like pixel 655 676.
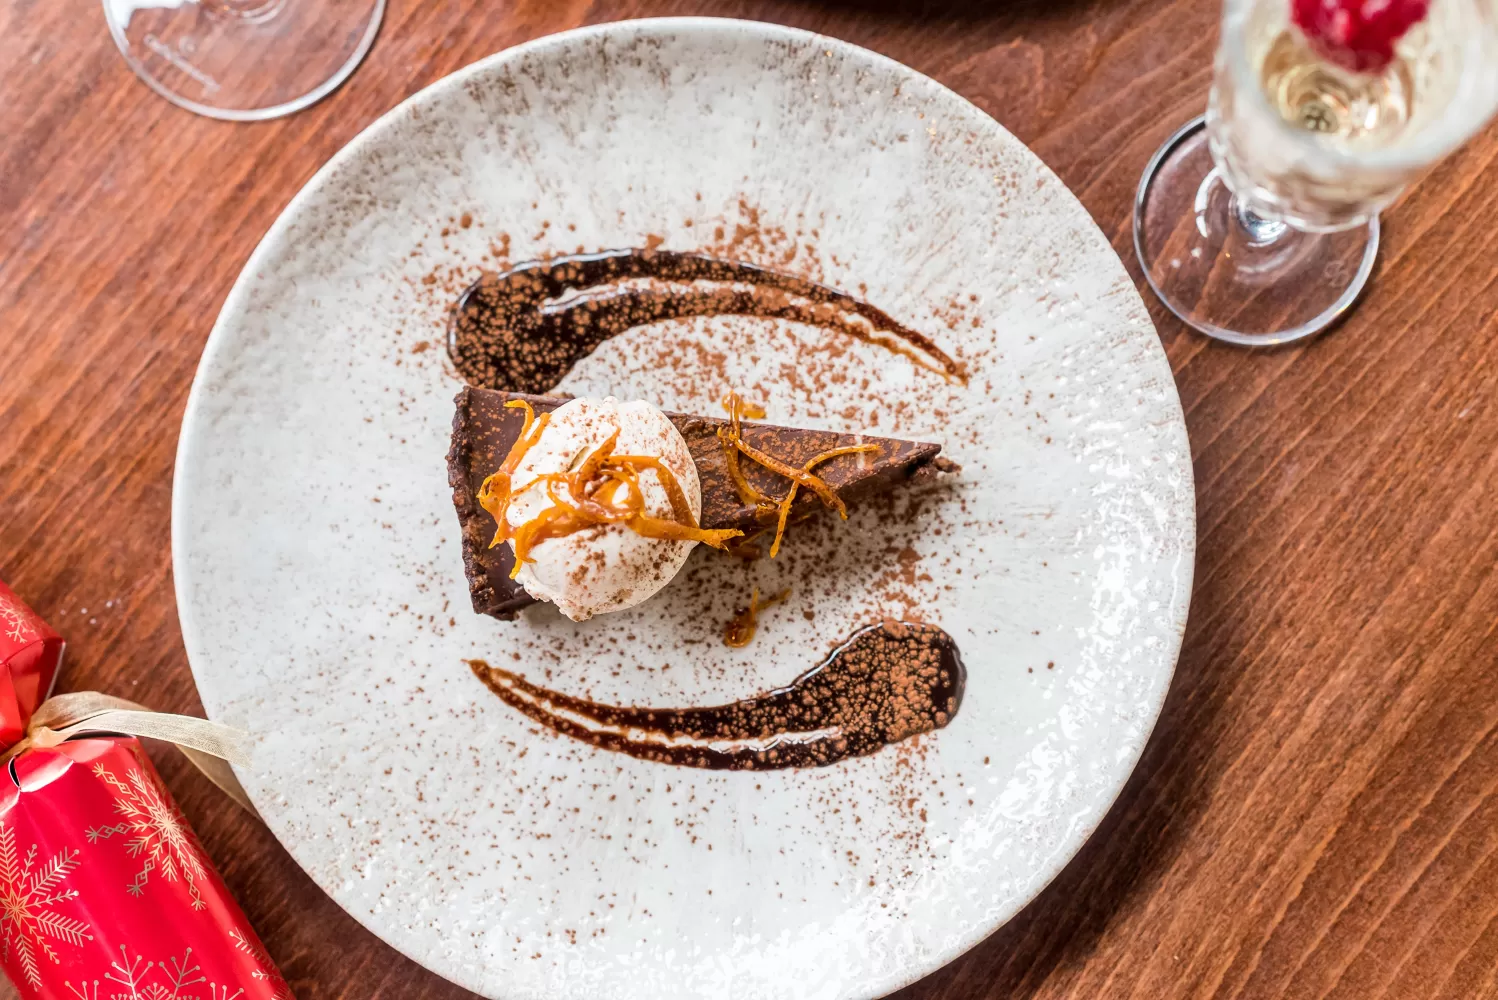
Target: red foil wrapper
pixel 105 893
pixel 30 653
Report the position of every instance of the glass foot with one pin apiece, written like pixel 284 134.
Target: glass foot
pixel 1230 274
pixel 243 60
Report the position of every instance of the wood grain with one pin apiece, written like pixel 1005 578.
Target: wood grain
pixel 1316 814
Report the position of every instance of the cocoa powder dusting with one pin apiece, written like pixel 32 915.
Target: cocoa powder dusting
pixel 887 683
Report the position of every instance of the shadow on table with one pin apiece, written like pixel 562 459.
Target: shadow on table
pixel 1122 861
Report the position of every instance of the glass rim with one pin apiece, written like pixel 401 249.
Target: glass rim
pixel 1444 135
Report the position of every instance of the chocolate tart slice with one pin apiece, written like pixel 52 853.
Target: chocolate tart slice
pixel 484 431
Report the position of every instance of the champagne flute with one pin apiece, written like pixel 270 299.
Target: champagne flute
pixel 243 60
pixel 1257 223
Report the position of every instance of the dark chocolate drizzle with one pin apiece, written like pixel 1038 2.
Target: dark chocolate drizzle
pixel 510 331
pixel 888 682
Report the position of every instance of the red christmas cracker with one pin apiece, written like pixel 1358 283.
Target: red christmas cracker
pixel 30 653
pixel 105 892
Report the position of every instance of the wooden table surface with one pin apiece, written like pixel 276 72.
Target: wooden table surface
pixel 1315 815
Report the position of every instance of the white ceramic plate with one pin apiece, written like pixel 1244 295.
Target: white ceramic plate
pixel 321 587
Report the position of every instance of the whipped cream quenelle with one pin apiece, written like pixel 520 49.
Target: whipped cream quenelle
pixel 602 567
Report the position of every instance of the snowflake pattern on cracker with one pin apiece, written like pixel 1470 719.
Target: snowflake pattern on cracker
pixel 153 829
pixel 139 979
pixel 267 972
pixel 29 896
pixel 17 623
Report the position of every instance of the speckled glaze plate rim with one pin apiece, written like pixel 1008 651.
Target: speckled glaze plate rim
pixel 220 340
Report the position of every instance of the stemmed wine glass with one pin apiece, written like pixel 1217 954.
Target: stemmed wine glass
pixel 243 60
pixel 1257 223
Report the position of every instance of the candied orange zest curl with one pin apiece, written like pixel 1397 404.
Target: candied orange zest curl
pixel 852 449
pixel 495 493
pixel 681 510
pixel 534 531
pixel 733 444
pixel 785 505
pixel 591 465
pixel 738 409
pixel 590 495
pixel 785 511
pixel 732 438
pixel 799 476
pixel 659 527
pixel 748 495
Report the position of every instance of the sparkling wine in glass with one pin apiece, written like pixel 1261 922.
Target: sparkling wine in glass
pixel 243 60
pixel 1258 222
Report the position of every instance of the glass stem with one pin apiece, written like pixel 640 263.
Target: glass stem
pixel 1261 231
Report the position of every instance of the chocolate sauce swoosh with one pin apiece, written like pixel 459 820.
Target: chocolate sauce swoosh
pixel 886 683
pixel 515 332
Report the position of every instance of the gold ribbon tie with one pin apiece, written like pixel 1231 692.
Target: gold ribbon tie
pixel 209 746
